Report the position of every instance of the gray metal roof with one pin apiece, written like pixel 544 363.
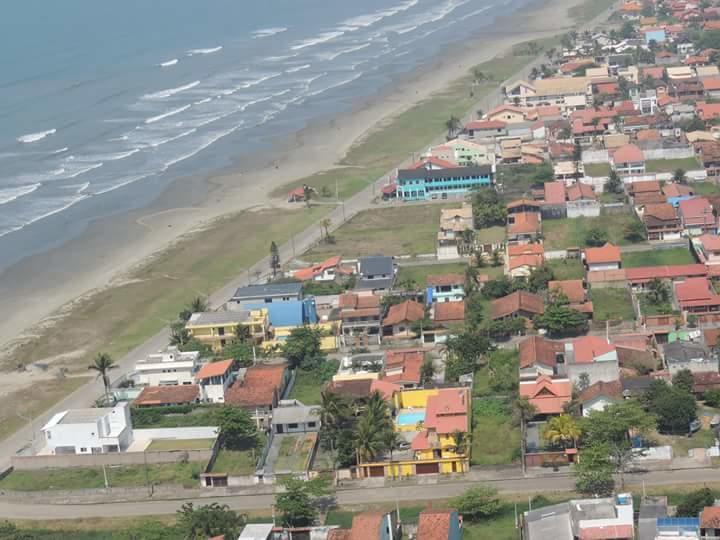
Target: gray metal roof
pixel 549 522
pixel 651 508
pixel 374 284
pixel 682 351
pixel 455 172
pixel 268 289
pixel 83 416
pixel 375 265
pixel 219 317
pixel 295 414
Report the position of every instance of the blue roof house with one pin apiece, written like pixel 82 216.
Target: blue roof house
pixel 289 313
pixel 422 184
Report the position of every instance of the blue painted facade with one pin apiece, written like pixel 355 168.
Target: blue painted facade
pixel 422 184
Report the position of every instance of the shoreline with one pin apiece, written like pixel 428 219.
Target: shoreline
pixel 164 222
pixel 85 265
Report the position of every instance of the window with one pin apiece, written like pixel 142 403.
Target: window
pixel 83 449
pixel 221 331
pixel 311 424
pixel 292 426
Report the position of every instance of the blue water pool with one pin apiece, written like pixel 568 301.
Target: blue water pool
pixel 410 418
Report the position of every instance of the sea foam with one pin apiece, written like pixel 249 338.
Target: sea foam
pixel 169 63
pixel 10 194
pixel 172 112
pixel 193 52
pixel 267 32
pixel 35 137
pixel 163 94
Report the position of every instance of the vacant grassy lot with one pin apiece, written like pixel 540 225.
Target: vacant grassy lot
pixel 419 274
pixel 180 444
pixel 565 233
pixel 409 229
pixel 612 304
pixel 705 188
pixel 566 268
pixel 657 257
pixel 672 165
pixel 515 181
pixel 237 462
pixel 597 169
pixel 185 474
pixel 495 440
pixel 490 235
pixel 307 388
pixel 294 453
pixel 681 444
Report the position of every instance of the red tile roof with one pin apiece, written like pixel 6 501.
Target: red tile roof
pixel 601 388
pixel 518 261
pixel 628 153
pixel 660 211
pixel 607 532
pixel 353 389
pixel 447 411
pixel 580 191
pixel 573 289
pixel 517 301
pixel 525 249
pixel 648 273
pixel 710 517
pixel 167 395
pixel 603 255
pixel 357 301
pixel 432 160
pixel 711 336
pixel 693 289
pixel 449 312
pixel 259 388
pixel 644 186
pixel 439 280
pixel 587 348
pixel 554 192
pixel 407 311
pixel 707 111
pixel 538 350
pixel 711 83
pixel 606 276
pixel 648 135
pixel 434 525
pixel 698 208
pixel 366 526
pixel 388 388
pixel 711 242
pixel 214 369
pixel 479 125
pixel 305 274
pixel 409 361
pixel 525 222
pixel 547 395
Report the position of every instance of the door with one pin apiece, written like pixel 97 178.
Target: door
pixel 427 468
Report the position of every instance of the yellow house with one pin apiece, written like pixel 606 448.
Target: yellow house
pixel 218 328
pixel 328 341
pixel 437 422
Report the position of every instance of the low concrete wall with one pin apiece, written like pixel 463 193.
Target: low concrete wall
pixel 34 463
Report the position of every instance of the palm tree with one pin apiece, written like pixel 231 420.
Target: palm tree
pixel 453 126
pixel 198 304
pixel 325 224
pixel 478 75
pixel 427 370
pixel 523 412
pixel 368 439
pixel 242 333
pixel 391 440
pixel 462 441
pixel 332 408
pixel 307 194
pixel 377 408
pixel 562 430
pixel 103 363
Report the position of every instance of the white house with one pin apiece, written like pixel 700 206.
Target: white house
pixel 291 416
pixel 171 367
pixel 606 257
pixel 214 380
pixel 599 396
pixel 89 431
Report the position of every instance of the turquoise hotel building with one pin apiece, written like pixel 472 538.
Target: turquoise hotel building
pixel 422 184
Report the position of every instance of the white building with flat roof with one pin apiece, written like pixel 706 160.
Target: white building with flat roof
pixel 171 367
pixel 89 431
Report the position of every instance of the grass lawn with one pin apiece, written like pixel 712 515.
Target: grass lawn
pixel 295 452
pixel 611 304
pixel 180 444
pixel 419 274
pixel 597 169
pixel 566 268
pixel 349 180
pixel 568 232
pixel 185 474
pixel 609 197
pixel 648 308
pixel 410 229
pixel 490 235
pixel 705 188
pixel 306 388
pixel 671 165
pixel 495 440
pixel 237 462
pixel 681 444
pixel 517 180
pixel 16 406
pixel 657 257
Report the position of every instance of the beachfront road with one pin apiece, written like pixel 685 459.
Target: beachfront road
pixel 346 497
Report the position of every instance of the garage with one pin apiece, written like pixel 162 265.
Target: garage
pixel 427 468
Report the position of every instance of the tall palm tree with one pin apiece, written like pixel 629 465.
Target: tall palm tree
pixel 377 408
pixel 368 439
pixel 333 408
pixel 453 126
pixel 198 304
pixel 325 225
pixel 562 430
pixel 391 440
pixel 102 364
pixel 523 412
pixel 462 441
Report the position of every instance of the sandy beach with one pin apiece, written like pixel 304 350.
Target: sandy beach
pixel 44 286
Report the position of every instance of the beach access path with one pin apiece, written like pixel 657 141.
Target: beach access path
pixel 29 435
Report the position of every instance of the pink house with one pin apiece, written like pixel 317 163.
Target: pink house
pixel 697 217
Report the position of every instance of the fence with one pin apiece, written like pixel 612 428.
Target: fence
pixel 34 463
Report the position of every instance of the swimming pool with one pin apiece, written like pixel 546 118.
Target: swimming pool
pixel 410 418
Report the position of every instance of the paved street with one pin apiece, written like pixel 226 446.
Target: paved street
pixel 350 497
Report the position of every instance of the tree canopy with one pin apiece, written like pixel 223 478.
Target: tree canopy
pixel 560 320
pixel 302 345
pixel 297 505
pixel 208 521
pixel 478 503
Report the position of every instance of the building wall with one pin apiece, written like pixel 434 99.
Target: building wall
pixel 583 209
pixel 606 371
pixel 166 376
pixel 34 463
pixel 607 266
pixel 413 398
pixel 597 404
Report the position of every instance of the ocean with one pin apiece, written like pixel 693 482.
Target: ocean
pixel 104 103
